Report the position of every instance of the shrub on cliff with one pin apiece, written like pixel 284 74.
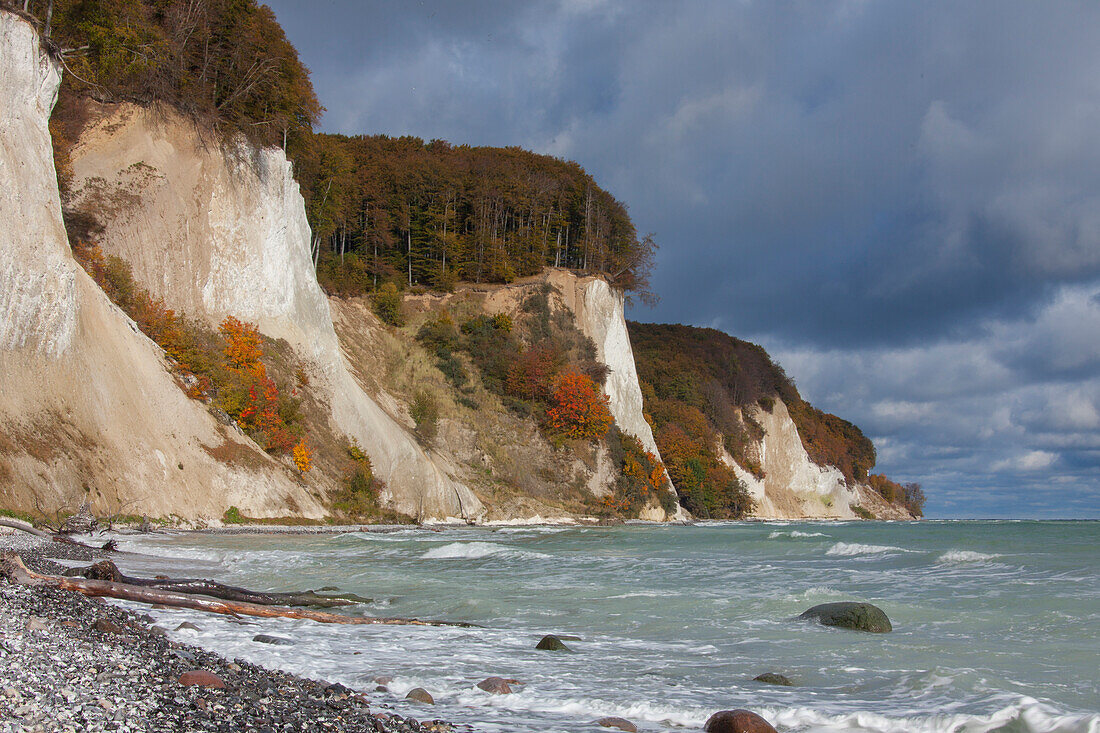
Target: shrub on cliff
pixel 578 409
pixel 387 304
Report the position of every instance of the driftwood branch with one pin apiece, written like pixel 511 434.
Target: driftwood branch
pixel 24 527
pixel 108 546
pixel 107 570
pixel 14 570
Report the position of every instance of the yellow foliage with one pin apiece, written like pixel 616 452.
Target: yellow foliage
pixel 303 456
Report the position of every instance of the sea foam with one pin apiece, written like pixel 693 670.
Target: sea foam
pixel 848 549
pixel 955 556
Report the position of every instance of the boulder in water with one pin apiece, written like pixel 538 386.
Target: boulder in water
pixel 737 721
pixel 850 615
pixel 773 678
pixel 620 723
pixel 419 694
pixel 496 685
pixel 551 643
pixel 276 640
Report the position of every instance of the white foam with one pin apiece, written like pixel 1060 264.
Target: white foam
pixel 1026 715
pixel 796 534
pixel 848 549
pixel 954 556
pixel 475 550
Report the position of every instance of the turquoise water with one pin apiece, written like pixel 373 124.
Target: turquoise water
pixel 996 624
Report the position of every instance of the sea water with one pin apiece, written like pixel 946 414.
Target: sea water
pixel 996 623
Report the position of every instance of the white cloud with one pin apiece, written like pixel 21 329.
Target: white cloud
pixel 1035 460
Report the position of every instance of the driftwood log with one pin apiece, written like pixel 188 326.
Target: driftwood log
pixel 109 546
pixel 107 570
pixel 15 571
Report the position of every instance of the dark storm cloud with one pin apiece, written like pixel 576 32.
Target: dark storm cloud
pixel 901 199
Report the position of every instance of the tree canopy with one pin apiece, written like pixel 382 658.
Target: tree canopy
pixel 415 213
pixel 227 61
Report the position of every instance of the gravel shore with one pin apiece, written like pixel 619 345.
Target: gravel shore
pixel 72 663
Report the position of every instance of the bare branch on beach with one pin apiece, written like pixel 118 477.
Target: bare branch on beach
pixel 15 571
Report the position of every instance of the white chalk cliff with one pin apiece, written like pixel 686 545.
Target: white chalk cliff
pixel 794 487
pixel 600 314
pixel 88 409
pixel 220 230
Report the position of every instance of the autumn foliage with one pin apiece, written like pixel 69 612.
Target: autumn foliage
pixel 254 395
pixel 578 408
pixel 224 368
pixel 303 456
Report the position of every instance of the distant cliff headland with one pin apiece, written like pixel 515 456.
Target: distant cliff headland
pixel 212 313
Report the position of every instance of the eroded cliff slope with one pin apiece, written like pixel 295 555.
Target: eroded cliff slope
pixel 88 410
pixel 220 230
pixel 729 422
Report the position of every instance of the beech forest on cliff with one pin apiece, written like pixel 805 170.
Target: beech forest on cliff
pixel 401 214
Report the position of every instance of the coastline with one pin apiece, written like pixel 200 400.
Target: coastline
pixel 72 663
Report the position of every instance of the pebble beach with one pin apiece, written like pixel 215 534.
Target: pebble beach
pixel 72 663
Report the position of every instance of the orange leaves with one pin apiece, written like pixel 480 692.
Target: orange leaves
pixel 578 408
pixel 243 344
pixel 303 456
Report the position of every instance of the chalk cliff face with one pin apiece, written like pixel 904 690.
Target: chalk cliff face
pixel 794 487
pixel 88 409
pixel 596 310
pixel 219 230
pixel 600 315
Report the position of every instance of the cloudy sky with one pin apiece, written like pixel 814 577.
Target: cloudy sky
pixel 901 201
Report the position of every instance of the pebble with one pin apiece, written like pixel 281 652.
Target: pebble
pixel 36 624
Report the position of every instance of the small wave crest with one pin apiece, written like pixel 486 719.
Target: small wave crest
pixel 957 556
pixel 475 550
pixel 795 534
pixel 849 549
pixel 1027 715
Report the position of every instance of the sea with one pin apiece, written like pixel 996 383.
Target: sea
pixel 996 624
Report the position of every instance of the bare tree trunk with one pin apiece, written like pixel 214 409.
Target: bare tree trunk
pixel 107 570
pixel 49 18
pixel 15 571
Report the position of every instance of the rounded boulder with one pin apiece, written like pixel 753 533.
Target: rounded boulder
pixel 419 694
pixel 618 723
pixel 496 685
pixel 737 721
pixel 551 643
pixel 773 678
pixel 850 615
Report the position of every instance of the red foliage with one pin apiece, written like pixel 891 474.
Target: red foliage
pixel 531 376
pixel 578 409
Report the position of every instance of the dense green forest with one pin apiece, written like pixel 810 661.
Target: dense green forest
pixel 696 382
pixel 430 214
